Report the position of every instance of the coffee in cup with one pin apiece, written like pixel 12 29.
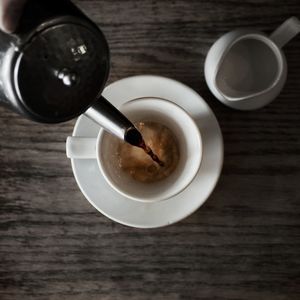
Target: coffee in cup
pixel 181 137
pixel 135 162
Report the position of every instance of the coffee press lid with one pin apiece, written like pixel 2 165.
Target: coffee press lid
pixel 60 71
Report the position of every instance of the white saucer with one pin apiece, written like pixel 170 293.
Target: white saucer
pixel 151 215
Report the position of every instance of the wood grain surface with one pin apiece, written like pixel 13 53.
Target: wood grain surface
pixel 244 243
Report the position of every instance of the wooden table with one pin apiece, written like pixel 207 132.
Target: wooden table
pixel 244 243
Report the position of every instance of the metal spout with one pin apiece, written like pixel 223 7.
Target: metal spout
pixel 113 121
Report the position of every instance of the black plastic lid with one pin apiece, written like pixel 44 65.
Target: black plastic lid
pixel 61 71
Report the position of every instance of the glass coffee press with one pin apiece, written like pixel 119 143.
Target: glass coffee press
pixel 55 66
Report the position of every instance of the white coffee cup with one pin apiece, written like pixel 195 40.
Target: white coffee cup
pixel 245 69
pixel 103 148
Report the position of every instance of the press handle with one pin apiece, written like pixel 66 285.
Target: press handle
pixel 81 148
pixel 286 31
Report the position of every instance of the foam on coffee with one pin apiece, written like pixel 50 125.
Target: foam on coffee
pixel 136 163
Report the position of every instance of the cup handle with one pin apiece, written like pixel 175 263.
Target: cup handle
pixel 286 31
pixel 81 148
